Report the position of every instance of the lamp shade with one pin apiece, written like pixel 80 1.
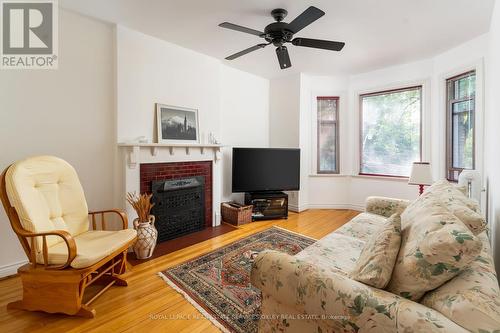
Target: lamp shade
pixel 420 174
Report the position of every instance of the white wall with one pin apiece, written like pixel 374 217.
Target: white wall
pixel 284 120
pixel 232 104
pixel 324 191
pixel 244 118
pixel 284 106
pixel 66 112
pixel 492 132
pixel 149 71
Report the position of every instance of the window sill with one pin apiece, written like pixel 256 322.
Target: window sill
pixel 373 177
pixel 334 175
pixel 377 177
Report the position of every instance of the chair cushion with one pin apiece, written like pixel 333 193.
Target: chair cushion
pixel 91 246
pixel 47 195
pixel 467 210
pixel 376 261
pixel 435 246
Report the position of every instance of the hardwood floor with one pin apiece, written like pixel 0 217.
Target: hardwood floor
pixel 183 242
pixel 148 304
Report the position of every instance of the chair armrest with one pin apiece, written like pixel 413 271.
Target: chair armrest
pixel 352 305
pixel 102 213
pixel 385 206
pixel 66 236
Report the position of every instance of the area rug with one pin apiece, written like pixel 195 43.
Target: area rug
pixel 218 283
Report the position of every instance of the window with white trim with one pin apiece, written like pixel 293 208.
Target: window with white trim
pixel 327 134
pixel 391 132
pixel 461 105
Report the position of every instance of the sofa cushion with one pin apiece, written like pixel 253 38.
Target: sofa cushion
pixel 435 246
pixel 376 261
pixel 47 196
pixel 362 227
pixel 338 251
pixel 472 298
pixel 91 247
pixel 467 210
pixel 335 253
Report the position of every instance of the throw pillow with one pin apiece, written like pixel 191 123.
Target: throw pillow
pixel 467 210
pixel 376 261
pixel 435 246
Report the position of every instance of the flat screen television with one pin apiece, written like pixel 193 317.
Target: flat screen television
pixel 266 169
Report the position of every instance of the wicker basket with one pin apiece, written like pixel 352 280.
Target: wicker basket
pixel 236 215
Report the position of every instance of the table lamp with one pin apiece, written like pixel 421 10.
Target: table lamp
pixel 420 175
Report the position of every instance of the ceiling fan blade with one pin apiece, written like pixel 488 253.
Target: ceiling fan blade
pixel 245 51
pixel 239 28
pixel 318 44
pixel 307 17
pixel 283 57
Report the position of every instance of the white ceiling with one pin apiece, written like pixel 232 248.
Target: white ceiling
pixel 378 33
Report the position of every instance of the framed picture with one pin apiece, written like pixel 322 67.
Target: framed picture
pixel 176 124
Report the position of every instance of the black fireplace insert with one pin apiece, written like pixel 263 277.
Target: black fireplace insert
pixel 179 206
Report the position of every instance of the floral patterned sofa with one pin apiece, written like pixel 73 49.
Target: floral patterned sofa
pixel 312 291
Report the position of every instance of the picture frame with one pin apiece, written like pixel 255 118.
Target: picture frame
pixel 175 124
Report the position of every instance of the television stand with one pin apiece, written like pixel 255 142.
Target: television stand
pixel 267 205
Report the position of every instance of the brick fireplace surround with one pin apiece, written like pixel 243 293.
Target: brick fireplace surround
pixel 172 170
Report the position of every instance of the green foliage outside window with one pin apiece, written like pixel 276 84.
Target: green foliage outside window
pixel 390 140
pixel 327 134
pixel 461 114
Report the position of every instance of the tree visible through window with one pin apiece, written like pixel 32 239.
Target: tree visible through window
pixel 328 152
pixel 390 131
pixel 461 92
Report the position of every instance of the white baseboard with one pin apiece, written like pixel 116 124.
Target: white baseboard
pixel 360 208
pixel 11 269
pixel 298 209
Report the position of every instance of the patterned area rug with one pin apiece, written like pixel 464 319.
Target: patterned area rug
pixel 218 283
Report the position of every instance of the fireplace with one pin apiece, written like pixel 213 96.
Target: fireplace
pixel 178 207
pixel 144 164
pixel 182 192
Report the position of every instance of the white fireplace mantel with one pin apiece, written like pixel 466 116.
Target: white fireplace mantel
pixel 133 154
pixel 135 150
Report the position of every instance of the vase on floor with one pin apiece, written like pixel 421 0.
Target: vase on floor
pixel 146 238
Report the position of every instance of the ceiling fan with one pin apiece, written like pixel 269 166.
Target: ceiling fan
pixel 279 33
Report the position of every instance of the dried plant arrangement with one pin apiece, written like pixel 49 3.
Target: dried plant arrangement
pixel 142 204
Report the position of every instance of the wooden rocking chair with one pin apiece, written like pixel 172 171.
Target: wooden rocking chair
pixel 46 206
